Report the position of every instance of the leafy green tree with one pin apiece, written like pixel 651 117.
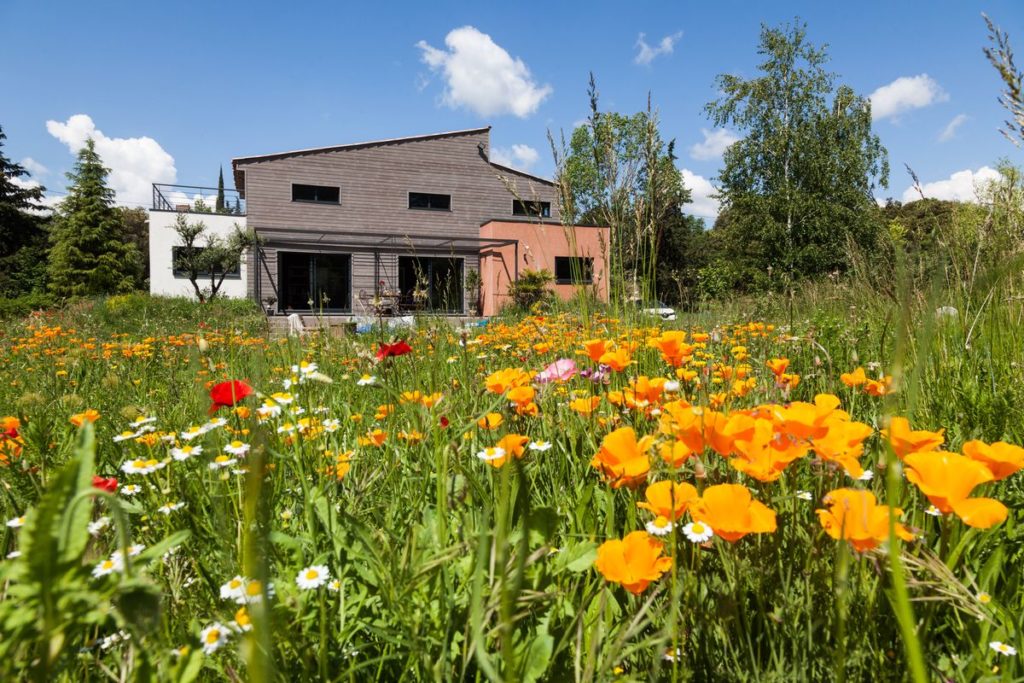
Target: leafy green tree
pixel 90 254
pixel 135 227
pixel 619 172
pixel 23 239
pixel 798 186
pixel 202 255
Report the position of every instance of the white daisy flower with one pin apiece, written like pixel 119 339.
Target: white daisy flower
pixel 13 555
pixel 804 495
pixel 933 511
pixel 304 368
pixel 115 563
pixel 99 525
pixel 282 398
pixel 140 466
pixel 334 585
pixel 213 637
pixel 492 453
pixel 313 577
pixel 126 436
pixel 253 592
pixel 233 589
pixel 143 420
pixel 540 446
pixel 168 508
pixel 983 597
pixel 332 425
pixel 660 526
pixel 16 522
pixel 185 452
pixel 698 532
pixel 1003 648
pixel 215 423
pixel 866 475
pixel 169 438
pixel 268 410
pixel 130 489
pixel 222 461
pixel 237 448
pixel 366 380
pixel 671 386
pixel 296 411
pixel 290 382
pixel 192 432
pixel 286 428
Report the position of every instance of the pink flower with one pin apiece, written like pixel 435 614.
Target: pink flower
pixel 562 370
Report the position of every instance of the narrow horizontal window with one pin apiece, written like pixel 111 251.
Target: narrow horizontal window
pixel 321 194
pixel 521 208
pixel 179 258
pixel 574 270
pixel 424 200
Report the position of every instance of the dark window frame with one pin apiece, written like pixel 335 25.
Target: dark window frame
pixel 524 208
pixel 447 209
pixel 329 202
pixel 585 270
pixel 177 273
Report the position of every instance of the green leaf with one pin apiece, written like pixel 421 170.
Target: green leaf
pixel 157 551
pixel 579 558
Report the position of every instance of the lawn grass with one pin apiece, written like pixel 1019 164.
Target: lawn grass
pixel 446 567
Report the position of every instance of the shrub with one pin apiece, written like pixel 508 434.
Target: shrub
pixel 531 288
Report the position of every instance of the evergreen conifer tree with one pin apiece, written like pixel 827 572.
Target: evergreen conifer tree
pixel 89 253
pixel 219 208
pixel 22 232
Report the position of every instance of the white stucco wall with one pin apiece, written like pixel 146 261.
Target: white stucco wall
pixel 162 238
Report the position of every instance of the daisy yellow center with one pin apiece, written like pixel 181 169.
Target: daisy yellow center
pixel 697 528
pixel 222 458
pixel 984 598
pixel 235 583
pixel 253 588
pixel 213 636
pixel 107 564
pixel 661 522
pixel 312 574
pixel 236 444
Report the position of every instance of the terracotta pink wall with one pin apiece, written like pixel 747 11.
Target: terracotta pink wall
pixel 539 244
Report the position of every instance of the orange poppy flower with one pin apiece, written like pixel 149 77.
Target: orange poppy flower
pixel 622 459
pixel 501 381
pixel 617 360
pixel 672 346
pixel 90 415
pixel 878 387
pixel 675 453
pixel 802 420
pixel 843 444
pixel 634 561
pixel 855 516
pixel 521 395
pixel 854 379
pixel 668 499
pixel 766 454
pixel 905 441
pixel 730 510
pixel 511 445
pixel 1002 459
pixel 490 421
pixel 585 406
pixel 947 479
pixel 595 348
pixel 777 365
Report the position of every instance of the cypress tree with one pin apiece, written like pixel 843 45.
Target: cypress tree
pixel 90 254
pixel 22 232
pixel 219 208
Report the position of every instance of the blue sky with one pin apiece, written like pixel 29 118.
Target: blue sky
pixel 175 90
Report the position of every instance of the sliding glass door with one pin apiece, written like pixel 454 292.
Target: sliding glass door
pixel 314 282
pixel 431 284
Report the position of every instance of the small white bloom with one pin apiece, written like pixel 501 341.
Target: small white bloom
pixel 185 452
pixel 1003 648
pixel 698 532
pixel 192 432
pixel 313 577
pixel 933 511
pixel 282 398
pixel 142 420
pixel 168 508
pixel 304 368
pixel 286 428
pixel 13 555
pixel 237 448
pixel 983 597
pixel 130 489
pixel 126 436
pixel 222 461
pixel 867 475
pixel 540 446
pixel 660 526
pixel 213 637
pixel 99 525
pixel 114 564
pixel 215 423
pixel 804 495
pixel 366 380
pixel 492 453
pixel 16 522
pixel 334 586
pixel 332 425
pixel 140 466
pixel 233 589
pixel 671 386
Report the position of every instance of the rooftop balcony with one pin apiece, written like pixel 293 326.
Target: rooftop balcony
pixel 195 199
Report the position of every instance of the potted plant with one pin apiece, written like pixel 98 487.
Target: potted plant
pixel 268 304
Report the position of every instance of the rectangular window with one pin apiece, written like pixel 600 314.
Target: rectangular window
pixel 521 208
pixel 574 270
pixel 316 193
pixel 176 254
pixel 431 202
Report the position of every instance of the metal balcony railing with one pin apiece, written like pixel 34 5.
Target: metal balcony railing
pixel 195 199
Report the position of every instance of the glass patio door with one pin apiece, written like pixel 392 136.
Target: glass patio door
pixel 314 282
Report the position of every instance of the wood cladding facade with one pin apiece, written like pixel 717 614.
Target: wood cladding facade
pixel 372 221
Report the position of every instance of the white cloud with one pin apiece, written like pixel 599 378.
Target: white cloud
pixel 647 54
pixel 481 76
pixel 134 163
pixel 961 186
pixel 701 189
pixel 714 145
pixel 519 156
pixel 904 94
pixel 950 130
pixel 48 202
pixel 34 167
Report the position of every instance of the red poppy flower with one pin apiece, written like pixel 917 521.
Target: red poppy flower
pixel 444 422
pixel 228 394
pixel 108 484
pixel 399 348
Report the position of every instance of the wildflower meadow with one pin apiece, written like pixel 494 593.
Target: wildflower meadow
pixel 552 496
